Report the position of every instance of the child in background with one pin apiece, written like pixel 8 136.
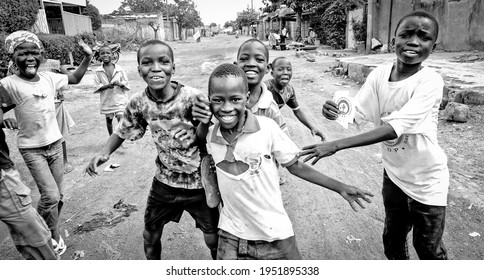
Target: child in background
pixel 39 139
pixel 28 230
pixel 245 147
pixel 113 87
pixel 165 107
pixel 253 59
pixel 402 100
pixel 283 92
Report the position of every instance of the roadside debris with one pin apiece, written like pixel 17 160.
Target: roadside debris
pixel 350 239
pixel 474 234
pixel 107 218
pixel 111 167
pixel 78 254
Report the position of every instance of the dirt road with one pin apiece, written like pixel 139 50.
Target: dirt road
pixel 325 225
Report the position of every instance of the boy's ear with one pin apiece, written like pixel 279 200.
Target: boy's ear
pixel 393 43
pixel 434 46
pixel 173 71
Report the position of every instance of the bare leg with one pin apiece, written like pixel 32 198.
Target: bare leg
pixel 211 240
pixel 152 243
pixel 109 125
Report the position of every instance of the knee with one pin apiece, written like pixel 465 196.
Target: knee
pixel 50 198
pixel 152 236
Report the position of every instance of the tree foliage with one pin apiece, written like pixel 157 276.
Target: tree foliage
pixel 247 18
pixel 17 14
pixel 94 14
pixel 185 13
pixel 141 6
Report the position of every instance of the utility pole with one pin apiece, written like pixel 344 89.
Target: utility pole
pixel 252 5
pixel 369 26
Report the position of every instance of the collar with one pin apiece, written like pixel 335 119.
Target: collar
pixel 175 93
pixel 251 125
pixel 101 68
pixel 265 98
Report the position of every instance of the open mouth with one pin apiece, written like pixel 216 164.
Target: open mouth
pixel 156 78
pixel 227 119
pixel 251 74
pixel 31 69
pixel 410 53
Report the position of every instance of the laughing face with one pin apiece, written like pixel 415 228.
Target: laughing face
pixel 27 57
pixel 228 98
pixel 282 72
pixel 252 58
pixel 156 67
pixel 415 40
pixel 105 55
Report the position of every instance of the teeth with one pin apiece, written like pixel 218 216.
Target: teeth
pixel 30 69
pixel 228 118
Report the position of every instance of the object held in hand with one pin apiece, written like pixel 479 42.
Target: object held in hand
pixel 209 181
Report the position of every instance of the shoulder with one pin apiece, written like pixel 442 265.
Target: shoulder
pixel 188 92
pixel 429 74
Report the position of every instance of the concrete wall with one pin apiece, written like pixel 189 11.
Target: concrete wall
pixel 461 21
pixel 139 28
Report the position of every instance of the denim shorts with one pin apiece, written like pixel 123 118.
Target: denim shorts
pixel 167 204
pixel 26 226
pixel 230 247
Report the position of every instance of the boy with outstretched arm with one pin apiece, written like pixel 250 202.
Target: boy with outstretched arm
pixel 113 83
pixel 39 137
pixel 245 147
pixel 165 107
pixel 283 92
pixel 402 100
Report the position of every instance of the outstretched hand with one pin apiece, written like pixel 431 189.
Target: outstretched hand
pixel 330 110
pixel 91 168
pixel 316 132
pixel 201 110
pixel 318 151
pixel 10 123
pixel 355 196
pixel 85 48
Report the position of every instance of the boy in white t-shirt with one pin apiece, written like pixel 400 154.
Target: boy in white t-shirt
pixel 245 147
pixel 39 138
pixel 402 100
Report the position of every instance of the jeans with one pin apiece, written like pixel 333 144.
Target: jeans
pixel 46 164
pixel 401 214
pixel 230 247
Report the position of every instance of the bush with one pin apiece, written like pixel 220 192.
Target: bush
pixel 4 58
pixel 17 14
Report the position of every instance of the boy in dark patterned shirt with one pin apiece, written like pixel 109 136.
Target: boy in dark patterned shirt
pixel 165 106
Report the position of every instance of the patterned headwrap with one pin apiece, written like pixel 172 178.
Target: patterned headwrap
pixel 19 37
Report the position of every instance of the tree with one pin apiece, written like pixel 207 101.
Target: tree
pixel 232 23
pixel 185 13
pixel 142 6
pixel 17 14
pixel 94 14
pixel 247 18
pixel 213 24
pixel 155 25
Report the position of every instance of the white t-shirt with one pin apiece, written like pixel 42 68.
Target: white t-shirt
pixel 414 161
pixel 35 109
pixel 252 201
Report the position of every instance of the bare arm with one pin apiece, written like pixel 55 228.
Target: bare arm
pixel 349 193
pixel 302 118
pixel 318 151
pixel 112 144
pixel 76 76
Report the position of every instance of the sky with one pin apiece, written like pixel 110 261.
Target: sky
pixel 218 11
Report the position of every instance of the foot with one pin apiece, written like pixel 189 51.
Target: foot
pixel 59 247
pixel 68 168
pixel 209 181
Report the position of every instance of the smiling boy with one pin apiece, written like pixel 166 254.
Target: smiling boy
pixel 283 92
pixel 245 147
pixel 402 100
pixel 165 107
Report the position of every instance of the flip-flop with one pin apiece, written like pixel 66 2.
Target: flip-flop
pixel 209 181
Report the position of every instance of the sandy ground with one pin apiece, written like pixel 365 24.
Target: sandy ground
pixel 325 226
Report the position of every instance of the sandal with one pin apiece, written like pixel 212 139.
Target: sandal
pixel 60 247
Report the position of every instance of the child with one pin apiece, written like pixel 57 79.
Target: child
pixel 253 59
pixel 283 92
pixel 28 230
pixel 114 86
pixel 165 106
pixel 253 223
pixel 402 100
pixel 39 138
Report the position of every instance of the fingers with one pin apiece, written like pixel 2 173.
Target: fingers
pixel 330 110
pixel 353 206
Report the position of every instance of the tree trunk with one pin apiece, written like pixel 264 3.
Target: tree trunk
pixel 297 36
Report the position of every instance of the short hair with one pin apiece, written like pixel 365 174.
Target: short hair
pixel 226 70
pixel 254 40
pixel 423 15
pixel 152 43
pixel 279 58
pixel 104 47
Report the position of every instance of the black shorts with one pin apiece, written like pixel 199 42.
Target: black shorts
pixel 167 204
